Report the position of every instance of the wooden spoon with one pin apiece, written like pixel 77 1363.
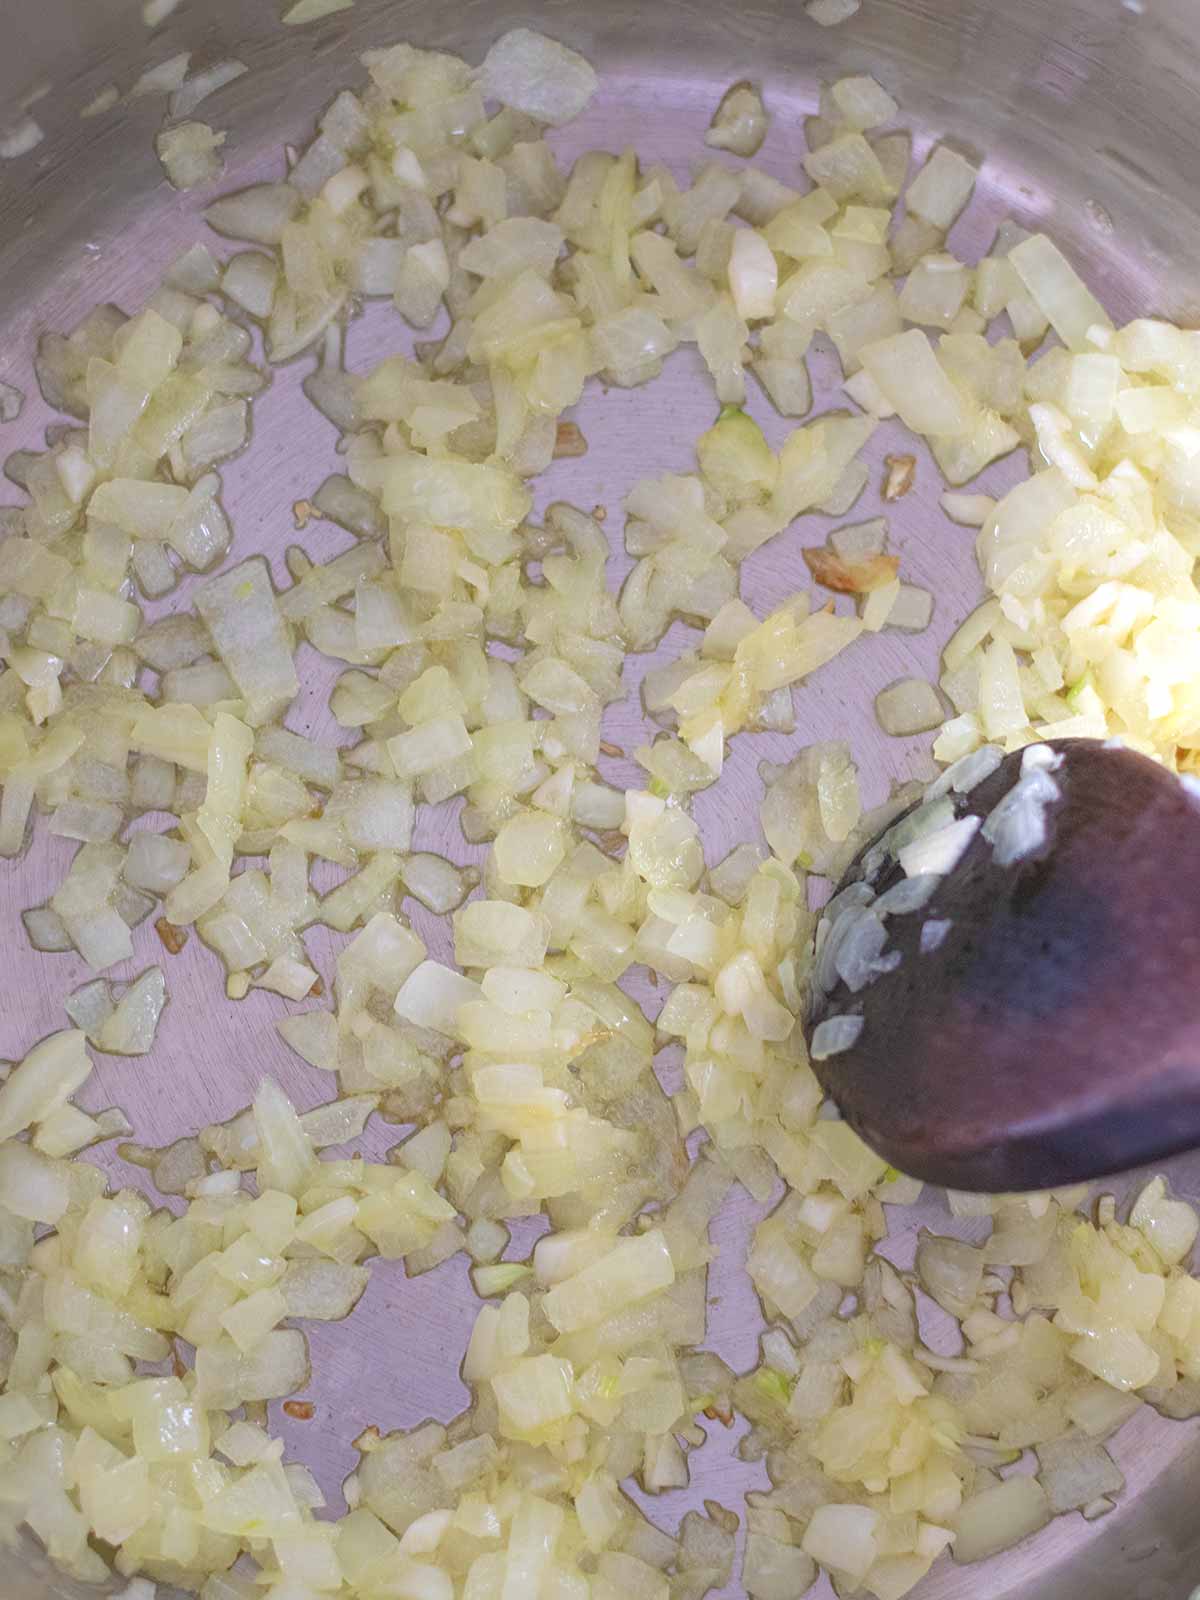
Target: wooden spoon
pixel 1053 1034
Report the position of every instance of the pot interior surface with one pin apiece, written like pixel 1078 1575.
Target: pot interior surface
pixel 1085 117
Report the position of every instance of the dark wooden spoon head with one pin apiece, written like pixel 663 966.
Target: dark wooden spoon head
pixel 1054 1034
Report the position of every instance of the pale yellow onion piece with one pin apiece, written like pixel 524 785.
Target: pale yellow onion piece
pixel 942 187
pixel 131 1028
pixel 189 153
pixel 162 78
pixel 43 1081
pixel 830 13
pixel 999 1518
pixel 197 86
pixel 313 10
pixel 907 371
pixel 844 1538
pixel 910 705
pixel 753 275
pixel 740 122
pixel 532 73
pixel 1070 308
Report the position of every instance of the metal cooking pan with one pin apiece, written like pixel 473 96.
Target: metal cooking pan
pixel 1087 115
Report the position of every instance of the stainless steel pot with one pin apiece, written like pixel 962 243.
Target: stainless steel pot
pixel 1088 117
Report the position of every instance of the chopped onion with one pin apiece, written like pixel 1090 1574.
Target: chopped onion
pixel 753 275
pixel 312 11
pixel 829 13
pixel 19 138
pixel 164 78
pixel 908 373
pixel 912 609
pixel 537 75
pixel 43 1082
pixel 942 188
pixel 999 1518
pixel 970 510
pixel 1075 1473
pixel 12 400
pixel 909 894
pixel 478 650
pixel 910 705
pixel 197 86
pixel 967 772
pixel 102 101
pixel 856 950
pixel 835 1035
pixel 739 123
pixel 1017 825
pixel 1058 290
pixel 940 851
pixel 189 155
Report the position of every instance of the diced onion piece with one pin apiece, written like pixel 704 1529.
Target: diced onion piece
pixel 242 614
pixel 1068 305
pixel 951 1271
pixel 631 1270
pixel 288 977
pixel 910 705
pixel 830 13
pixel 433 995
pixel 844 1538
pixel 1170 1225
pixel 862 102
pixel 967 772
pixel 43 1082
pixel 739 123
pixel 20 137
pixel 322 1291
pixel 313 1035
pixel 12 400
pixel 103 100
pixel 537 75
pixel 753 275
pixel 1002 703
pixel 163 78
pixel 189 154
pixel 940 851
pixel 1075 1473
pixel 910 376
pixel 258 214
pixel 44 929
pixel 130 1030
pixel 999 1518
pixel 969 510
pixel 857 948
pixel 312 11
pixel 250 280
pixel 1017 824
pixel 941 189
pixel 33 1186
pixel 199 85
pixel 912 609
pixel 835 1035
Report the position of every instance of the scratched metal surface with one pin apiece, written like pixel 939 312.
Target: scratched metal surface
pixel 1071 134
